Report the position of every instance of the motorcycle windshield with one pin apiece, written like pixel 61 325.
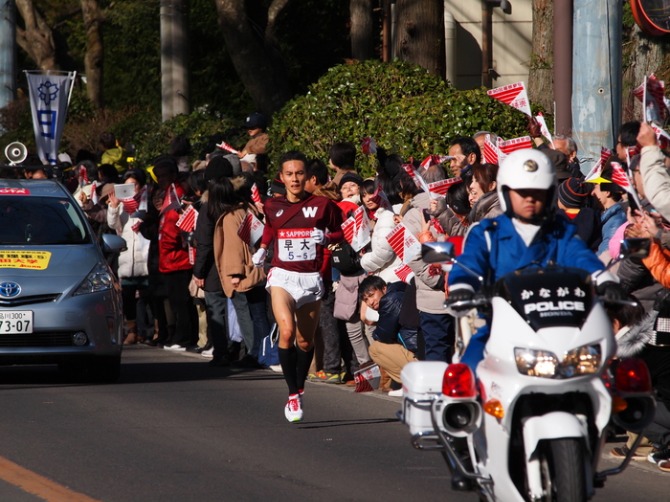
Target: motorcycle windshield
pixel 547 297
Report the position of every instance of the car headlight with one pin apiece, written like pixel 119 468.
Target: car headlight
pixel 99 279
pixel 584 360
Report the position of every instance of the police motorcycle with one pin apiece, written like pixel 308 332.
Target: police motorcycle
pixel 533 425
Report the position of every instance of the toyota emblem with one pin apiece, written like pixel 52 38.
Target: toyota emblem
pixel 9 289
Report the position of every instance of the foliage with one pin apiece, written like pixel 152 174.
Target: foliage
pixel 406 109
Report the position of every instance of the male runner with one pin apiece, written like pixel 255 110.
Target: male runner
pixel 297 224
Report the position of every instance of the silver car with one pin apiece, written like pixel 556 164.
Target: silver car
pixel 60 302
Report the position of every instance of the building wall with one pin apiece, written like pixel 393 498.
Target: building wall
pixel 512 36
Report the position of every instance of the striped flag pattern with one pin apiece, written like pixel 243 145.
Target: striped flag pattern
pixel 251 229
pixel 186 221
pixel 403 243
pixel 512 145
pixel 441 187
pixel 255 194
pixel 514 95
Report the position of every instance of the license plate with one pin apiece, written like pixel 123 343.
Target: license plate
pixel 14 322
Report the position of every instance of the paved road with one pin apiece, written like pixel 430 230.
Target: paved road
pixel 174 429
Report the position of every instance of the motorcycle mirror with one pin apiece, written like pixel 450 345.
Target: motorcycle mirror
pixel 437 252
pixel 634 248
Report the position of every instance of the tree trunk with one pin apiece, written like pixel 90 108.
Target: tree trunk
pixel 94 52
pixel 540 79
pixel 362 29
pixel 36 39
pixel 644 55
pixel 420 33
pixel 256 58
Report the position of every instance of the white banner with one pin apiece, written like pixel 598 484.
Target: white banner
pixel 49 98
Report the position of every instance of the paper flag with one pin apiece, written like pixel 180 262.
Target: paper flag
pixel 514 95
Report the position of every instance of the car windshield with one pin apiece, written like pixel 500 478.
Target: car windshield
pixel 40 220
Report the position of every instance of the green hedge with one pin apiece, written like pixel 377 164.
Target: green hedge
pixel 406 109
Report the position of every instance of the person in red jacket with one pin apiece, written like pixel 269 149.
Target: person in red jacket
pixel 297 224
pixel 173 258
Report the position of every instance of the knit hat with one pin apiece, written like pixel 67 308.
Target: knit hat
pixel 573 193
pixel 350 177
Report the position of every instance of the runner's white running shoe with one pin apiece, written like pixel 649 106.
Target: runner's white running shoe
pixel 293 408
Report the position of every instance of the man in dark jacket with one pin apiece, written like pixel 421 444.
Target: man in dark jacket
pixel 394 345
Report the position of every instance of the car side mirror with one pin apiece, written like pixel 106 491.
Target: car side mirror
pixel 437 252
pixel 634 248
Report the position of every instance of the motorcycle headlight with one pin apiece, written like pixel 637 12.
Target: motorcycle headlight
pixel 99 279
pixel 584 360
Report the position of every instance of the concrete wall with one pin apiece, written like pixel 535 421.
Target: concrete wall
pixel 512 36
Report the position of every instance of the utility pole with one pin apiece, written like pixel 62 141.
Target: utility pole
pixel 596 77
pixel 563 67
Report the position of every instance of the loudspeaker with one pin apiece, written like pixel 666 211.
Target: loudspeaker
pixel 16 152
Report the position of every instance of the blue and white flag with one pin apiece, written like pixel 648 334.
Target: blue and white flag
pixel 49 99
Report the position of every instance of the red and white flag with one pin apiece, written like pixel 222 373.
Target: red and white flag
pixel 403 243
pixel 441 187
pixel 225 146
pixel 514 95
pixel 357 229
pixel 544 130
pixel 512 145
pixel 620 177
pixel 404 273
pixel 368 146
pixel 256 194
pixel 651 92
pixel 490 152
pixel 434 160
pixel 594 174
pixel 186 221
pixel 94 193
pixel 171 200
pixel 409 169
pixel 251 229
pixel 83 176
pixel 137 201
pixel 662 136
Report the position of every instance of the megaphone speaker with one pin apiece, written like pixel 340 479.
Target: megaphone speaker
pixel 16 152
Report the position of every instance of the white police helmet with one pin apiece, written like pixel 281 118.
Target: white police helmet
pixel 525 169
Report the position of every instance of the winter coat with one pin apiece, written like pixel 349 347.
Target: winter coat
pixel 205 265
pixel 134 261
pixel 658 263
pixel 233 256
pixel 656 179
pixel 172 245
pixel 493 248
pixel 381 260
pixel 488 206
pixel 611 219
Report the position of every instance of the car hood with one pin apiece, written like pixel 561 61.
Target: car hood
pixel 47 269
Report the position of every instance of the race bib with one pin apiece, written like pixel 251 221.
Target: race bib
pixel 295 244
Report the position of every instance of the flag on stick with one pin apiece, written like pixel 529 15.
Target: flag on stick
pixel 514 95
pixel 186 221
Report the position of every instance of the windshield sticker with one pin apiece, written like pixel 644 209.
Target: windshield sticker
pixel 32 260
pixel 14 191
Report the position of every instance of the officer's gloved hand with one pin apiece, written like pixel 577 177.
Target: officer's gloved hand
pixel 611 291
pixel 459 295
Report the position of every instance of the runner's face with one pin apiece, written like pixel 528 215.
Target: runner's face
pixel 294 177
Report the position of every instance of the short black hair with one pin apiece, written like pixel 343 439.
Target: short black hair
pixel 628 133
pixel 343 155
pixel 369 284
pixel 292 155
pixel 108 140
pixel 318 169
pixel 468 145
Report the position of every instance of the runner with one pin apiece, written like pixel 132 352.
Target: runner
pixel 297 223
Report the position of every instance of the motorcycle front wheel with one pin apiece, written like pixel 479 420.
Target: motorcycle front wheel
pixel 563 470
